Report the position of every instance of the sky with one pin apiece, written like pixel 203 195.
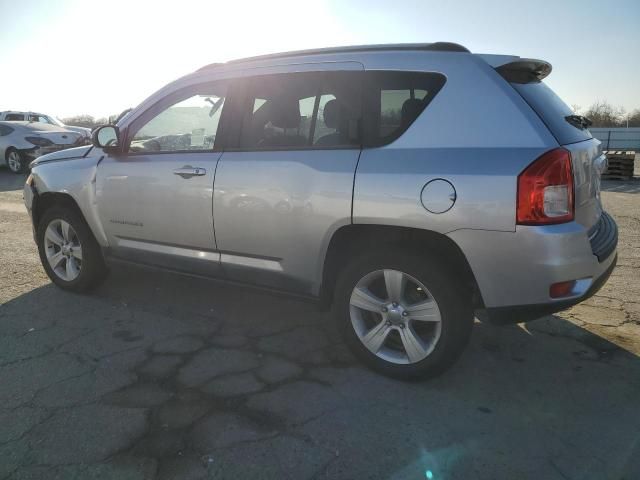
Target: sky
pixel 71 57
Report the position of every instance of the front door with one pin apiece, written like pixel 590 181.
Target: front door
pixel 284 183
pixel 155 200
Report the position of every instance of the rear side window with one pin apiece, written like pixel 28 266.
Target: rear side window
pixel 14 117
pixel 552 111
pixel 300 111
pixel 393 101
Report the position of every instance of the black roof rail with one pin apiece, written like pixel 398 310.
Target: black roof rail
pixel 430 47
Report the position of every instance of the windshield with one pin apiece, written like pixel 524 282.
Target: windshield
pixel 56 121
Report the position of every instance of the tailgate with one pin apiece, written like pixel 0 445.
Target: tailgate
pixel 570 130
pixel 588 164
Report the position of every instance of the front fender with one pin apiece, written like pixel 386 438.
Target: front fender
pixel 77 179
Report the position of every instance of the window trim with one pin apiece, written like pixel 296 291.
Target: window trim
pixel 166 102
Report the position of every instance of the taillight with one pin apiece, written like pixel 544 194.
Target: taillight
pixel 545 190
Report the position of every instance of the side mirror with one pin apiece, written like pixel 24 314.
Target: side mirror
pixel 106 137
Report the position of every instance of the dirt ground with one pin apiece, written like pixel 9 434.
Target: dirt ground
pixel 156 376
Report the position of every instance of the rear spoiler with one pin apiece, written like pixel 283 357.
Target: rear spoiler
pixel 524 70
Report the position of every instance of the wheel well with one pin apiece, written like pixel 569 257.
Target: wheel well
pixel 348 242
pixel 45 201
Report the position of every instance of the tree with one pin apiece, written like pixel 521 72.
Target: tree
pixel 634 118
pixel 80 121
pixel 603 114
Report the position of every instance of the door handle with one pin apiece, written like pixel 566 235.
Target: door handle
pixel 188 171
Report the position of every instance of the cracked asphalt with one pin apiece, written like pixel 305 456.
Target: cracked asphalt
pixel 157 376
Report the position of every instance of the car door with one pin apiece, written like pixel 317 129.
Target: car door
pixel 284 182
pixel 155 200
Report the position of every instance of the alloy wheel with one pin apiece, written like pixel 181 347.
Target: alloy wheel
pixel 395 316
pixel 63 250
pixel 14 161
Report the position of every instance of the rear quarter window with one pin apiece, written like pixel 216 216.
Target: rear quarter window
pixel 393 101
pixel 552 111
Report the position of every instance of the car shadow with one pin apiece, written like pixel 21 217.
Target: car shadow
pixel 235 379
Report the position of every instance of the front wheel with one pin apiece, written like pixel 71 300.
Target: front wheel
pixel 404 315
pixel 69 253
pixel 15 161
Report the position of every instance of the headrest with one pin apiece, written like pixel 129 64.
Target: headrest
pixel 285 113
pixel 411 108
pixel 331 114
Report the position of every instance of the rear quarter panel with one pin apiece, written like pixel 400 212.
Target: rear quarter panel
pixel 477 133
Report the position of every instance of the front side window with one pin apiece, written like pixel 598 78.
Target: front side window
pixel 189 124
pixel 300 111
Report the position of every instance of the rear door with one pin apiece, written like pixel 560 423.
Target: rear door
pixel 586 151
pixel 284 182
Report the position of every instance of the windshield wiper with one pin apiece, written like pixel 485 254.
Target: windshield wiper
pixel 579 121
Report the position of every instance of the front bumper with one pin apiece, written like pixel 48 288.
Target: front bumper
pixel 29 195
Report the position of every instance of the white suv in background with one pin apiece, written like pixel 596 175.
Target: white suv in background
pixel 16 116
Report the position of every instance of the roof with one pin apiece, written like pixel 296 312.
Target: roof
pixel 430 47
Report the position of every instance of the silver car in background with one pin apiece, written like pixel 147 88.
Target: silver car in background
pixel 22 142
pixel 403 186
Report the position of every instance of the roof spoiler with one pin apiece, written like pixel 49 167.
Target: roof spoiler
pixel 524 70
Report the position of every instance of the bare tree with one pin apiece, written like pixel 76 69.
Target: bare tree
pixel 634 118
pixel 603 114
pixel 80 121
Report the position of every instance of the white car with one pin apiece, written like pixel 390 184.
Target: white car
pixel 22 142
pixel 16 116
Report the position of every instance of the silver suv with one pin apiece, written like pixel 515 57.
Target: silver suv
pixel 404 186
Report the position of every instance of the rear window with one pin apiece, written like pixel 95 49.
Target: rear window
pixel 552 110
pixel 14 117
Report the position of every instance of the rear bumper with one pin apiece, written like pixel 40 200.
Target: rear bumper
pixel 515 270
pixel 525 313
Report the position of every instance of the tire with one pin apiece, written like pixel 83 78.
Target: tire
pixel 16 161
pixel 89 269
pixel 426 280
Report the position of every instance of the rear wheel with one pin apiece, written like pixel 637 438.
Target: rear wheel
pixel 15 161
pixel 69 253
pixel 404 315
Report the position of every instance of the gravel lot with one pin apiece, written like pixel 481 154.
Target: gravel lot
pixel 156 376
